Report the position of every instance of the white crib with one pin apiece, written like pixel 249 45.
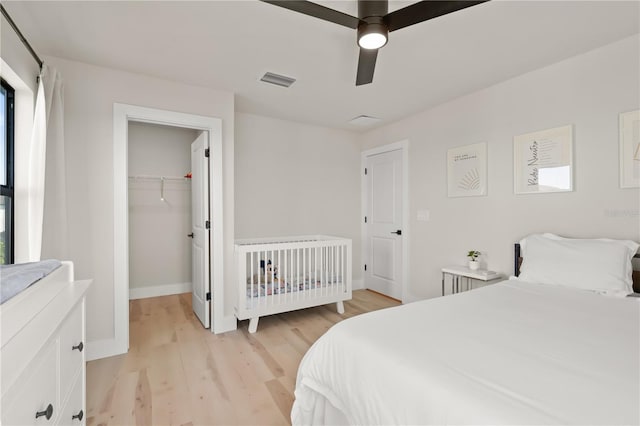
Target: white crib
pixel 276 275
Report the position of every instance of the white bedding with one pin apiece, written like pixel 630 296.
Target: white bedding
pixel 510 353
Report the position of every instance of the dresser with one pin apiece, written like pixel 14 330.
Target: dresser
pixel 43 352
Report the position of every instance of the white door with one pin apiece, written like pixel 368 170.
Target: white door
pixel 383 228
pixel 200 229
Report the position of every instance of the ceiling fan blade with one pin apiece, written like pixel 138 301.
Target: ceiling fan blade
pixel 423 11
pixel 366 66
pixel 317 11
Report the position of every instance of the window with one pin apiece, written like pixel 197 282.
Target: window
pixel 6 172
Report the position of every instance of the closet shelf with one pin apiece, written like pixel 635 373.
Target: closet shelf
pixel 160 178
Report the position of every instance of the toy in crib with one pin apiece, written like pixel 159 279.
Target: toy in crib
pixel 268 274
pixel 266 286
pixel 262 279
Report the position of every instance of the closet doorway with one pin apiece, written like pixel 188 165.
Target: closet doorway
pixel 211 127
pixel 168 172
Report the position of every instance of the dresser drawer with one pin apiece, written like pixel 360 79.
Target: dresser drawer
pixel 34 392
pixel 71 360
pixel 73 413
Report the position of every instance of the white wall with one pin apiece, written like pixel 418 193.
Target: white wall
pixel 588 91
pixel 90 92
pixel 159 249
pixel 296 179
pixel 16 55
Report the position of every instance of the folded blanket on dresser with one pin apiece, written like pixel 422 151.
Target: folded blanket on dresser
pixel 16 278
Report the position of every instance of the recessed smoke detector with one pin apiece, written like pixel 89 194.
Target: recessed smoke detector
pixel 364 120
pixel 278 80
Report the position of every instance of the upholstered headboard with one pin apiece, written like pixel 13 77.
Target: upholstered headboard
pixel 518 261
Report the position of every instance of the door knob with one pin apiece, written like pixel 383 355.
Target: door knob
pixel 78 416
pixel 190 235
pixel 80 347
pixel 46 413
pixel 398 232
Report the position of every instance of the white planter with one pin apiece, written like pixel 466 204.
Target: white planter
pixel 474 265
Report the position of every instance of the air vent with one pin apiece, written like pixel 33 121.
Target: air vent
pixel 278 80
pixel 364 120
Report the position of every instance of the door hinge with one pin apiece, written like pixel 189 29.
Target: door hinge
pixel 208 295
pixel 365 170
pixel 365 267
pixel 207 225
pixel 206 152
pixel 365 219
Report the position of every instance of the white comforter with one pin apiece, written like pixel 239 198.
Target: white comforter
pixel 511 353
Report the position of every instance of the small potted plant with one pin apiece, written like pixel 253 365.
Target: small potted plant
pixel 473 263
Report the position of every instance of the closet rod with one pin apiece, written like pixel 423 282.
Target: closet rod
pixel 21 37
pixel 180 178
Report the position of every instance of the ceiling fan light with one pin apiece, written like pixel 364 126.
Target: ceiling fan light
pixel 372 41
pixel 372 35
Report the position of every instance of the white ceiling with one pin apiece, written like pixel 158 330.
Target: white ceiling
pixel 230 44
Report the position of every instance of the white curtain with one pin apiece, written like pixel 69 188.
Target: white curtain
pixel 35 184
pixel 48 236
pixel 55 236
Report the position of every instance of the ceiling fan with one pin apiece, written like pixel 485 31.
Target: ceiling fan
pixel 374 23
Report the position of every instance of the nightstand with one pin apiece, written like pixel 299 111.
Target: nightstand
pixel 457 272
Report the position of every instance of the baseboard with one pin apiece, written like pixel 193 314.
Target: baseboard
pixel 357 284
pixel 102 349
pixel 229 323
pixel 410 298
pixel 159 290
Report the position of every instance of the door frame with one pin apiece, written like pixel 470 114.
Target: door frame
pixel 402 146
pixel 122 115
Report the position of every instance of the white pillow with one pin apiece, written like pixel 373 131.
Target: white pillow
pixel 600 265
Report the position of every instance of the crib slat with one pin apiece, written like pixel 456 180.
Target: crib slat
pixel 305 278
pixel 342 266
pixel 263 278
pixel 325 264
pixel 339 269
pixel 252 278
pixel 333 269
pixel 298 275
pixel 336 282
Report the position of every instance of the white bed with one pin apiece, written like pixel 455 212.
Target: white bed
pixel 510 353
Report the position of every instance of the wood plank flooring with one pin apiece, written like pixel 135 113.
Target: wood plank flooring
pixel 178 373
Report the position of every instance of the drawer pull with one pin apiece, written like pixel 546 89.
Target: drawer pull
pixel 78 416
pixel 80 347
pixel 47 413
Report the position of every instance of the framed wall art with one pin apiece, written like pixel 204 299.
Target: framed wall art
pixel 630 149
pixel 467 170
pixel 543 161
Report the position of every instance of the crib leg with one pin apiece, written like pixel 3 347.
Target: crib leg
pixel 253 324
pixel 340 307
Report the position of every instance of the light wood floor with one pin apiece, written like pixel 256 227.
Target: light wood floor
pixel 178 373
